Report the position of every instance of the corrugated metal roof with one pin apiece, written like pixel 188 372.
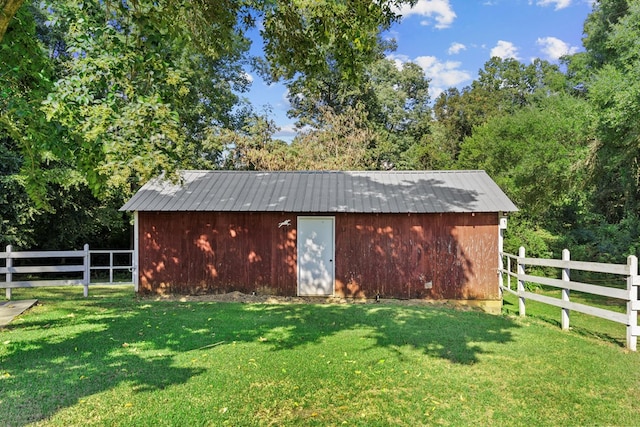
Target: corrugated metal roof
pixel 324 191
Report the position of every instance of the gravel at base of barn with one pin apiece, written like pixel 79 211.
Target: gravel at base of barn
pixel 274 299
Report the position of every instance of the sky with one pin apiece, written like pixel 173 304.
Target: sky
pixel 452 40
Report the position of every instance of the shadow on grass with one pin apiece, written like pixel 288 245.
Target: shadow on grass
pixel 436 331
pixel 73 348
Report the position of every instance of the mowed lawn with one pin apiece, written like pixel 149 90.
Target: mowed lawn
pixel 114 359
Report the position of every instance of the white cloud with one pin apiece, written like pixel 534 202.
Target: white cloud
pixel 440 10
pixel 455 48
pixel 505 50
pixel 560 4
pixel 555 48
pixel 248 76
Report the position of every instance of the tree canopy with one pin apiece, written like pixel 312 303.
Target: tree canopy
pixel 97 97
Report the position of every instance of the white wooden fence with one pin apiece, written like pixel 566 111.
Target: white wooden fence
pixel 77 263
pixel 628 294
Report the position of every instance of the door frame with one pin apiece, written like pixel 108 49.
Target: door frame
pixel 332 270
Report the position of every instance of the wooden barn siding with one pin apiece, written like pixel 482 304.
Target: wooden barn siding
pixel 395 255
pixel 400 255
pixel 191 252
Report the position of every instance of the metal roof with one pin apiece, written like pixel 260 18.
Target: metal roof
pixel 324 192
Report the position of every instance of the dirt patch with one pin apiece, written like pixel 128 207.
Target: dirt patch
pixel 275 299
pixel 255 298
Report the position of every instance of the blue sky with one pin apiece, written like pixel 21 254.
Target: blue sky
pixel 452 39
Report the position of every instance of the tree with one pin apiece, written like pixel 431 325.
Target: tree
pixel 309 41
pixel 456 114
pixel 253 146
pixel 135 98
pixel 605 224
pixel 144 83
pixel 23 127
pixel 395 101
pixel 44 201
pixel 538 156
pixel 8 9
pixel 598 27
pixel 16 208
pixel 534 154
pixel 616 93
pixel 436 150
pixel 504 87
pixel 342 143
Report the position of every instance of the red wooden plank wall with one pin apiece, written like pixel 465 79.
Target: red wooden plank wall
pixel 439 256
pixel 402 255
pixel 193 252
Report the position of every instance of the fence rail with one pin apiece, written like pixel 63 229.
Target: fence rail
pixel 629 294
pixel 45 264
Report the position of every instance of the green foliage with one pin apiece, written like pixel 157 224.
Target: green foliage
pixel 456 116
pixel 398 109
pixel 534 154
pixel 73 216
pixel 394 101
pixel 253 148
pixel 129 88
pixel 598 27
pixel 506 85
pixel 24 85
pixel 148 87
pixel 590 236
pixel 17 210
pixel 436 149
pixel 503 88
pixel 42 197
pixel 615 92
pixel 538 241
pixel 309 40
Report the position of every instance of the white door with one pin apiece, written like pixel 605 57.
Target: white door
pixel 315 255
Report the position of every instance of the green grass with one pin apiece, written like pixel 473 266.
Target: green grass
pixel 580 323
pixel 113 359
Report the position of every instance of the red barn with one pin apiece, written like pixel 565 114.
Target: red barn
pixel 416 234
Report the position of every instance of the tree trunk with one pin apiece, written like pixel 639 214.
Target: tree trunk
pixel 8 9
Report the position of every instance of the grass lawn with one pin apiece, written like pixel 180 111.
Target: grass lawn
pixel 113 359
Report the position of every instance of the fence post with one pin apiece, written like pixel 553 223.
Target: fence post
pixel 9 277
pixel 134 256
pixel 111 267
pixel 502 226
pixel 500 275
pixel 87 269
pixel 509 270
pixel 566 274
pixel 521 307
pixel 633 305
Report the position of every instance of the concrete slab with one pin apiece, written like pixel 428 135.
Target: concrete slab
pixel 11 309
